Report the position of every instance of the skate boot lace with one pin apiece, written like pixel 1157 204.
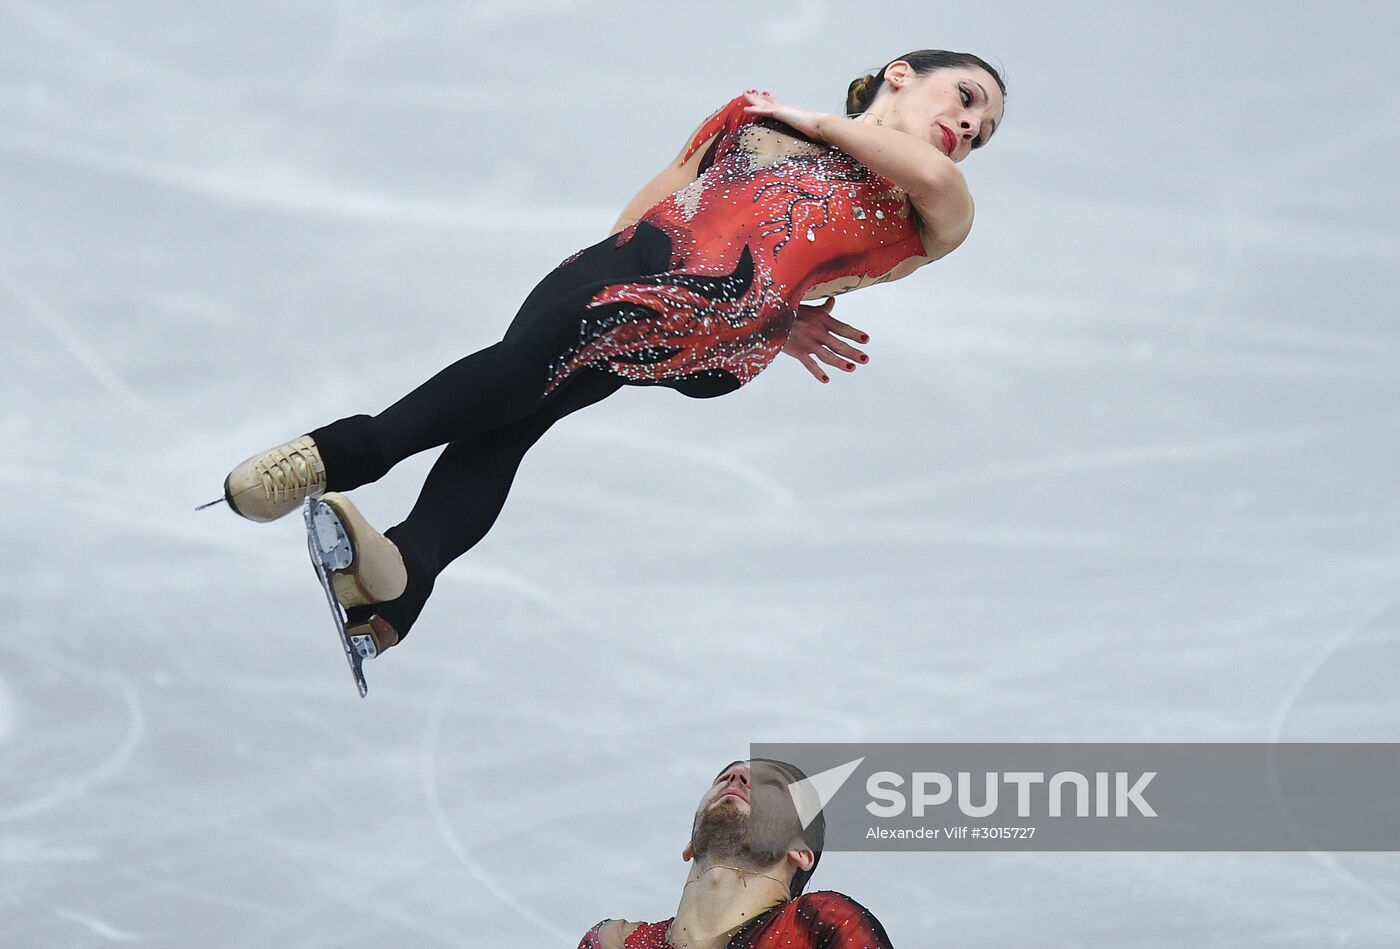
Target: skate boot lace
pixel 290 473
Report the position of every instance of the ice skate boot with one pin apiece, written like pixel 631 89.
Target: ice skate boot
pixel 357 566
pixel 275 482
pixel 367 568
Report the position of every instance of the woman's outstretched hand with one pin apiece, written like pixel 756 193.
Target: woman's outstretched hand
pixel 816 335
pixel 803 120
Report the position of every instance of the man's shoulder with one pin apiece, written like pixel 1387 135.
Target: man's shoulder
pixel 829 902
pixel 834 919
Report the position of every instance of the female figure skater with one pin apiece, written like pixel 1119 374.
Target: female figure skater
pixel 699 287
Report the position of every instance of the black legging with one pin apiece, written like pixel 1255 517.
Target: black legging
pixel 489 408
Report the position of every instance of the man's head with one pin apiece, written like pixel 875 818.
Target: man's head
pixel 747 819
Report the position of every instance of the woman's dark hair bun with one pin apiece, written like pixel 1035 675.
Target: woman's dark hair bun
pixel 861 92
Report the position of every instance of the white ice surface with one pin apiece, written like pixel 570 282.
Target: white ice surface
pixel 1122 468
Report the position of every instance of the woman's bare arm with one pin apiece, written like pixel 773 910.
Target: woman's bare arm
pixel 675 176
pixel 936 188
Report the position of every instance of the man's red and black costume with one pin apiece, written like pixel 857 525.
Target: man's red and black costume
pixel 823 920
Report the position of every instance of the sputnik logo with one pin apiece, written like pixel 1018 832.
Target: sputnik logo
pixel 811 794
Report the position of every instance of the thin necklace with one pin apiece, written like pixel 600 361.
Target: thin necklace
pixel 742 871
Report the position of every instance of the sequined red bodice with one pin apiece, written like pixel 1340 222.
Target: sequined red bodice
pixel 769 217
pixel 808 213
pixel 823 920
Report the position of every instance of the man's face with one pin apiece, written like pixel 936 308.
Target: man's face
pixel 746 815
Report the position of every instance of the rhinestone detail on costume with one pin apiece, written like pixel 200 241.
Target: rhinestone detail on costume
pixel 822 919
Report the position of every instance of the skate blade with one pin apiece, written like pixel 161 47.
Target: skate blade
pixel 332 542
pixel 330 549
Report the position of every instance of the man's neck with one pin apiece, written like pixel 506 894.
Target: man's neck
pixel 718 899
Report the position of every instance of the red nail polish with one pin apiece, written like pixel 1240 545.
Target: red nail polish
pixel 864 338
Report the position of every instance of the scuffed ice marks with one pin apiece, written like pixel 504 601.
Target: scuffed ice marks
pixel 7 712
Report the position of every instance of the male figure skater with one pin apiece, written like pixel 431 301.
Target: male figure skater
pixel 750 859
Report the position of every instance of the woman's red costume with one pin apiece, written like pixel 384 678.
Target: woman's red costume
pixel 769 217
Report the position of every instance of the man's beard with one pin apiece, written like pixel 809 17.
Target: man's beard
pixel 724 832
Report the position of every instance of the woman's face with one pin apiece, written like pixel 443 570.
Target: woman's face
pixel 956 109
